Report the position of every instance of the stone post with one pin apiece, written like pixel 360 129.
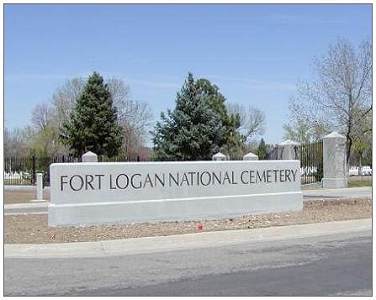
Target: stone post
pixel 334 161
pixel 219 156
pixel 40 186
pixel 250 156
pixel 89 157
pixel 288 150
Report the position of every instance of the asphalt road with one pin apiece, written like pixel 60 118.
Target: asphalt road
pixel 326 265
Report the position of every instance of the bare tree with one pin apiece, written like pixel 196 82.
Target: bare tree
pixel 252 120
pixel 41 116
pixel 15 142
pixel 65 97
pixel 340 97
pixel 134 114
pixel 299 130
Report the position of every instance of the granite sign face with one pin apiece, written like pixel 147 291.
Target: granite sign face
pixel 95 193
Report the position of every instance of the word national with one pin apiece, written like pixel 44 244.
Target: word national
pixel 137 181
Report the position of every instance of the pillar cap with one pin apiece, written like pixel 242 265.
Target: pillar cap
pixel 89 157
pixel 289 142
pixel 250 156
pixel 334 134
pixel 219 156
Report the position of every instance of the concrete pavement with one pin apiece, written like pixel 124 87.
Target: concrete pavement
pixel 316 260
pixel 183 241
pixel 26 208
pixel 346 193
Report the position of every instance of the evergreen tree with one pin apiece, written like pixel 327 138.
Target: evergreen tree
pixel 261 150
pixel 232 139
pixel 196 129
pixel 93 122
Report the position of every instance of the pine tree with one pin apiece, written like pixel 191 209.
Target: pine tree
pixel 232 144
pixel 93 122
pixel 261 150
pixel 194 130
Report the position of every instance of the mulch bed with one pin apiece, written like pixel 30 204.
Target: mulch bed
pixel 33 229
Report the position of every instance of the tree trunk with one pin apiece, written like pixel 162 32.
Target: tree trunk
pixel 348 148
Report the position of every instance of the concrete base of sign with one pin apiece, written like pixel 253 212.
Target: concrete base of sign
pixel 173 209
pixel 334 183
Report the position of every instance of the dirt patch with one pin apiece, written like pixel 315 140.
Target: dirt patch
pixel 12 197
pixel 28 229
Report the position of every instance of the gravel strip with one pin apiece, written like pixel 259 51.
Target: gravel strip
pixel 33 229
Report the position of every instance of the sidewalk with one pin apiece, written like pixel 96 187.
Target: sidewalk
pixel 9 187
pixel 26 205
pixel 26 208
pixel 180 242
pixel 356 192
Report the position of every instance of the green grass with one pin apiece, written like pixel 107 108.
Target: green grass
pixel 359 183
pixel 17 182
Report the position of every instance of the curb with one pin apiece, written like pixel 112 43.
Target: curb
pixel 26 205
pixel 183 241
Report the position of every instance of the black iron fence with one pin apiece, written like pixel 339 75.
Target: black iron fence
pixel 22 170
pixel 272 152
pixel 311 162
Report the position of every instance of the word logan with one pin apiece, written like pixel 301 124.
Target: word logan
pixel 138 181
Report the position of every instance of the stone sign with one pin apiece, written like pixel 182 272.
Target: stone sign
pixel 96 193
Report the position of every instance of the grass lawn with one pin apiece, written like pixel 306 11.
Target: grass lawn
pixel 359 183
pixel 17 181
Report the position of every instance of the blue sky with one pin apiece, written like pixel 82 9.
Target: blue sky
pixel 254 53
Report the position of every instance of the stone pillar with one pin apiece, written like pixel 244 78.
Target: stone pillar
pixel 334 161
pixel 250 156
pixel 89 157
pixel 288 150
pixel 40 186
pixel 219 156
